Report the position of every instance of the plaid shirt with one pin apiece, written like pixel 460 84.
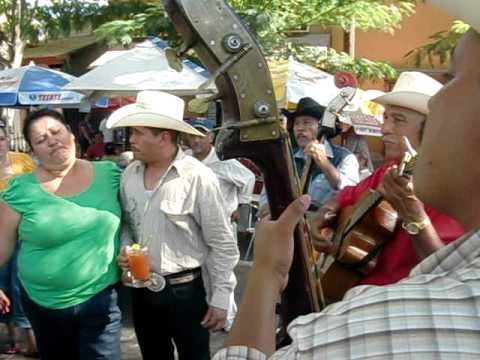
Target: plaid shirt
pixel 433 314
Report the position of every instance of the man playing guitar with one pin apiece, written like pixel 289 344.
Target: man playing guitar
pixel 424 230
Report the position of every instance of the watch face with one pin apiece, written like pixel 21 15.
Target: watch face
pixel 412 229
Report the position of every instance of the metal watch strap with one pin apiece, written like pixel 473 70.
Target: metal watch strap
pixel 414 227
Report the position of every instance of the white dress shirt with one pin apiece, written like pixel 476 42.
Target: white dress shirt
pixel 183 223
pixel 236 181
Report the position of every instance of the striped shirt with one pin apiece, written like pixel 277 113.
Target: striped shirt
pixel 432 314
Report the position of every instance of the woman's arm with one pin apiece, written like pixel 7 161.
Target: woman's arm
pixel 9 221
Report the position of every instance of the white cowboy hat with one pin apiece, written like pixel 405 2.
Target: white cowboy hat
pixel 412 90
pixel 155 109
pixel 465 10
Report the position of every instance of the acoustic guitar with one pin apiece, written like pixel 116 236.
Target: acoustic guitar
pixel 361 231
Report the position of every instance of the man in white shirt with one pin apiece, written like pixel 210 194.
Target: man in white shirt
pixel 236 181
pixel 173 205
pixel 107 133
pixel 432 314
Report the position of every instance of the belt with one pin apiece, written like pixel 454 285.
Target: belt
pixel 183 277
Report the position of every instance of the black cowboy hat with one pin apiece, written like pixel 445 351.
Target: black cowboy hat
pixel 306 107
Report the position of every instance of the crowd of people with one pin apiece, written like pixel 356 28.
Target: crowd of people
pixel 64 218
pixel 69 219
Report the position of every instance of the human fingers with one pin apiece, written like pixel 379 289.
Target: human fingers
pixel 293 213
pixel 323 241
pixel 122 258
pixel 207 319
pixel 122 262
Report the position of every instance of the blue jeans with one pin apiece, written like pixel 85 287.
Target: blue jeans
pixel 10 284
pixel 88 331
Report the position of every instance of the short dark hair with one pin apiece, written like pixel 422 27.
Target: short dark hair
pixel 173 134
pixel 35 115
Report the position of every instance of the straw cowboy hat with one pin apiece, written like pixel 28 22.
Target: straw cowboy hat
pixel 155 109
pixel 412 90
pixel 465 10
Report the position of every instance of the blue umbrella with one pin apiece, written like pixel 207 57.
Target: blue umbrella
pixel 33 85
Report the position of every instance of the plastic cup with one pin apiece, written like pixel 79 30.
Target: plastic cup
pixel 138 262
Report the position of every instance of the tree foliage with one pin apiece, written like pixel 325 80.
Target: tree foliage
pixel 439 49
pixel 31 23
pixel 272 20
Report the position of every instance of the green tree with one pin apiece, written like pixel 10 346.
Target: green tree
pixel 440 47
pixel 273 20
pixel 25 22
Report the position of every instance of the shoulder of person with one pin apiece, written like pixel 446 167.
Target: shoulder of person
pixel 18 156
pixel 18 186
pixel 107 165
pixel 192 168
pixel 237 166
pixel 25 161
pixel 131 168
pixel 191 165
pixel 340 150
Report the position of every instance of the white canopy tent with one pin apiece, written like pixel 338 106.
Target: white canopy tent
pixel 145 67
pixel 293 80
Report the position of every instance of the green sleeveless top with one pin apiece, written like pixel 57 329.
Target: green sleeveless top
pixel 68 244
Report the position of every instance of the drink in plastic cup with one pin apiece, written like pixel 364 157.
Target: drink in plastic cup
pixel 138 262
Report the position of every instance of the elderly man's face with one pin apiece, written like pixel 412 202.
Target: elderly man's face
pixel 305 130
pixel 447 172
pixel 200 145
pixel 397 123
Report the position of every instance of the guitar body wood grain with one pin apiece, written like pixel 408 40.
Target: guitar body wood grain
pixel 355 243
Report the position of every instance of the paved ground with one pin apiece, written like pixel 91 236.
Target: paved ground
pixel 130 350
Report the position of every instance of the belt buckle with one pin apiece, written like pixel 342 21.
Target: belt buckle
pixel 157 282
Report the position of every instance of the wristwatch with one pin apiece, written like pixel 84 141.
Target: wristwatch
pixel 414 227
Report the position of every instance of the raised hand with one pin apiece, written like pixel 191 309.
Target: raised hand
pixel 399 192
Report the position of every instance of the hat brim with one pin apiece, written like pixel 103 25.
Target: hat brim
pixel 406 99
pixel 134 115
pixel 293 114
pixel 202 128
pixel 286 113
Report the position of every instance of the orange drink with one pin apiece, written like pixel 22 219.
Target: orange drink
pixel 138 262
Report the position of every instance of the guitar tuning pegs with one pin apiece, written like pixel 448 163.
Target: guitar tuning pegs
pixel 173 60
pixel 261 109
pixel 232 43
